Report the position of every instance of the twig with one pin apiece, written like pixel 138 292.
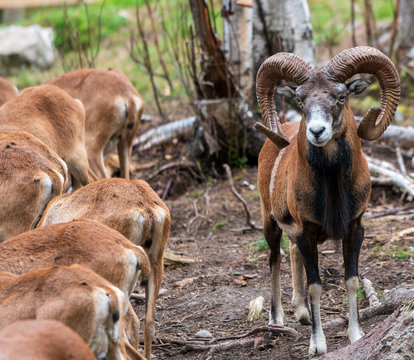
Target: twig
pixel 171 166
pixel 274 329
pixel 181 239
pixel 389 212
pixel 166 190
pixel 157 45
pixel 239 197
pixel 369 292
pixel 400 161
pixel 407 70
pixel 146 56
pixel 239 340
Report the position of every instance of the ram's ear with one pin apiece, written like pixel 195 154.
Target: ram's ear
pixel 357 86
pixel 289 91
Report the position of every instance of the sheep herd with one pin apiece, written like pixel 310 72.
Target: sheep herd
pixel 75 257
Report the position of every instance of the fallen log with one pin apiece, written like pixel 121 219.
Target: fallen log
pixel 389 303
pixel 165 133
pixel 401 135
pixel 391 339
pixel 406 183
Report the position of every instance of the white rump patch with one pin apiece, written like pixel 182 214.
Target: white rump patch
pixel 99 342
pixel 138 103
pixel 132 274
pixel 137 230
pixel 46 193
pixel 115 331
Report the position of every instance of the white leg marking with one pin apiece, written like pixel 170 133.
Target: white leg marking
pixel 354 331
pixel 317 342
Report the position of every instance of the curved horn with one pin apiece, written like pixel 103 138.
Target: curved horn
pixel 277 67
pixel 365 59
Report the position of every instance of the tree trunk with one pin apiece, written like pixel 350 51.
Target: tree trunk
pixel 215 79
pixel 405 37
pixel 238 38
pixel 282 25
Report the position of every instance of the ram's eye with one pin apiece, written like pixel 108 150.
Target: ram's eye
pixel 341 99
pixel 299 102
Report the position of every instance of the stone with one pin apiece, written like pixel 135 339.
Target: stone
pixel 27 45
pixel 204 334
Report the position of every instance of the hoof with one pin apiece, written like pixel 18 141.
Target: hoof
pixel 305 321
pixel 317 345
pixel 278 322
pixel 355 334
pixel 302 315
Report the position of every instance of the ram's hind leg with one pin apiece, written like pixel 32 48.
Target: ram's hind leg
pixel 306 241
pixel 351 248
pixel 273 235
pixel 299 290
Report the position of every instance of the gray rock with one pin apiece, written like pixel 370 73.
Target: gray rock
pixel 22 45
pixel 205 334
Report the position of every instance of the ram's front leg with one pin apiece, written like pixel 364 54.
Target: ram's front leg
pixel 351 248
pixel 299 290
pixel 273 235
pixel 308 248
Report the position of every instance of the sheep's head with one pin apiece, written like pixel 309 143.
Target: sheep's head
pixel 322 93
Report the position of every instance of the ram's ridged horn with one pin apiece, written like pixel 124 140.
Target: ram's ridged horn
pixel 281 66
pixel 365 59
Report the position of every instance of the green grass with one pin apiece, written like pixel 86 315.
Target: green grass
pixel 262 245
pixel 331 19
pixel 218 225
pixel 196 193
pixel 398 252
pixel 360 293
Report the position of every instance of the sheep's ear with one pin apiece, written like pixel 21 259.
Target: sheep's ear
pixel 357 86
pixel 289 91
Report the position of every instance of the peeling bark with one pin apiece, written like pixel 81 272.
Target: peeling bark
pixel 392 339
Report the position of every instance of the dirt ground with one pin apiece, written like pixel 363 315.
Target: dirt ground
pixel 230 267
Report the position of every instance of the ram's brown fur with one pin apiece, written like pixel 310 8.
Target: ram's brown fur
pixel 297 175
